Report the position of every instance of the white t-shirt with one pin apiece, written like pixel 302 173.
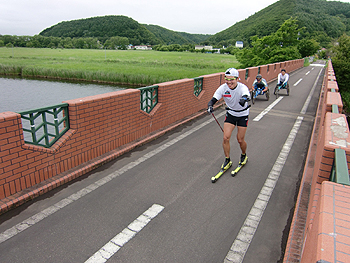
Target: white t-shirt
pixel 232 97
pixel 282 78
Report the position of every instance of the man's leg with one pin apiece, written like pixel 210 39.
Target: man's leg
pixel 228 129
pixel 240 138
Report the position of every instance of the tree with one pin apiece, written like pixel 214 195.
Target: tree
pixel 117 43
pixel 341 62
pixel 341 66
pixel 277 47
pixel 308 47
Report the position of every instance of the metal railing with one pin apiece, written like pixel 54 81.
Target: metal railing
pixel 198 86
pixel 45 126
pixel 335 108
pixel 148 98
pixel 340 172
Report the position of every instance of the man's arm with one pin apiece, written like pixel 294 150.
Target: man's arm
pixel 287 78
pixel 211 104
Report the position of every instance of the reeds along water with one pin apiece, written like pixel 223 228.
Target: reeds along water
pixel 93 76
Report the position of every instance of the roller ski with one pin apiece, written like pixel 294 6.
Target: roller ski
pixel 224 167
pixel 242 162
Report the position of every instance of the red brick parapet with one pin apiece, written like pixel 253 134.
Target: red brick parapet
pixel 99 126
pixel 320 230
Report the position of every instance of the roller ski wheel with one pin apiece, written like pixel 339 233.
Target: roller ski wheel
pixel 239 167
pixel 235 171
pixel 268 94
pixel 221 172
pixel 287 89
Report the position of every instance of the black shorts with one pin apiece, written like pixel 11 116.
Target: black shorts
pixel 237 121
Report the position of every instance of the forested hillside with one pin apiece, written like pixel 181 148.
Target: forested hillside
pixel 103 27
pixel 323 21
pixel 111 26
pixel 169 37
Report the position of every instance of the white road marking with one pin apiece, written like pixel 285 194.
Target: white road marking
pixel 296 83
pixel 250 225
pixel 112 247
pixel 307 102
pixel 318 65
pixel 264 112
pixel 11 232
pixel 307 73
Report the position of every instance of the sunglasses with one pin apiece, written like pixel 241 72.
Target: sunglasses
pixel 234 78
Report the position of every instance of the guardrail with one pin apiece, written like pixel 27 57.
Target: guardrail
pixel 45 126
pixel 340 172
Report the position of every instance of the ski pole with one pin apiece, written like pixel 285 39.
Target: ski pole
pixel 217 122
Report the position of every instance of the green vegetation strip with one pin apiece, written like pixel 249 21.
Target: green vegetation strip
pixel 111 66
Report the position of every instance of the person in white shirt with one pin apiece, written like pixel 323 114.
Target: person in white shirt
pixel 282 81
pixel 236 96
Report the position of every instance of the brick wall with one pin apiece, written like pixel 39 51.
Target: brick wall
pixel 100 124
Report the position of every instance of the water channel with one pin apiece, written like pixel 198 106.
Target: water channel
pixel 20 94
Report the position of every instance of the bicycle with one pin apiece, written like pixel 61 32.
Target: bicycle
pixel 279 87
pixel 256 92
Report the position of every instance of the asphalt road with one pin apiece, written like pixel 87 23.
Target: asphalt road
pixel 157 203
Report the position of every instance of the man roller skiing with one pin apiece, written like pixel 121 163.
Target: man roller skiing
pixel 236 96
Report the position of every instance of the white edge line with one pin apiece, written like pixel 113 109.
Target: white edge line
pixel 307 102
pixel 250 225
pixel 117 242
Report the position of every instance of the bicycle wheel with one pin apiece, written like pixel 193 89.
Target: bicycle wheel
pixel 268 94
pixel 253 96
pixel 287 89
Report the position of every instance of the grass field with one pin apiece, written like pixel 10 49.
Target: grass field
pixel 133 67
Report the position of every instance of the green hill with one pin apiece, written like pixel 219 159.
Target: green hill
pixel 169 37
pixel 105 27
pixel 322 21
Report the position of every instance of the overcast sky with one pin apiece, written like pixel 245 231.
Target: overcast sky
pixel 30 17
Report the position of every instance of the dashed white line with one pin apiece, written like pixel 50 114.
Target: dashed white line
pixel 264 112
pixel 296 83
pixel 112 247
pixel 250 225
pixel 307 73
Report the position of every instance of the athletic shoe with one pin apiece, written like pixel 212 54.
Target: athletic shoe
pixel 227 164
pixel 244 159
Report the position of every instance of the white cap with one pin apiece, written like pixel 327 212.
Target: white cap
pixel 232 72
